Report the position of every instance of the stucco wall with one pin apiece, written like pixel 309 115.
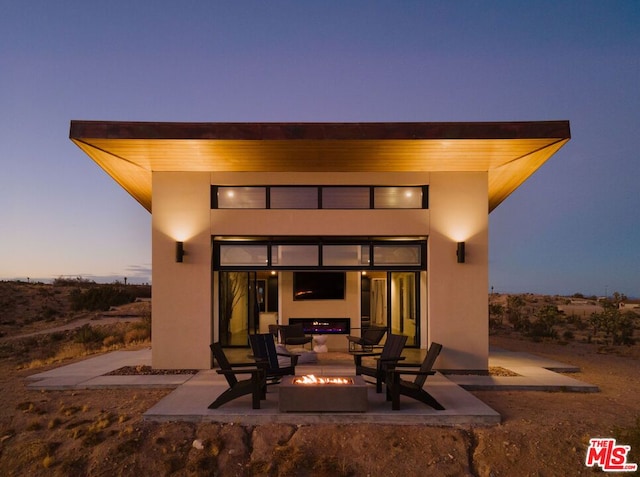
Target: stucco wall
pixel 181 300
pixel 457 292
pixel 453 295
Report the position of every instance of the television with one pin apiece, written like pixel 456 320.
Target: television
pixel 319 285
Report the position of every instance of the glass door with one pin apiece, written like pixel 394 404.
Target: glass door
pixel 391 301
pixel 403 316
pixel 236 312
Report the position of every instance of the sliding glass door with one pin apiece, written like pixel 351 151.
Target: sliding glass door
pixel 390 299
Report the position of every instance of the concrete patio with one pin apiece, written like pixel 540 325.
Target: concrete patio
pixel 194 392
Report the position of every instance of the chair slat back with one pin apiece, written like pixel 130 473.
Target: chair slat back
pixel 293 331
pixel 373 335
pixel 223 362
pixel 264 347
pixel 393 346
pixel 427 364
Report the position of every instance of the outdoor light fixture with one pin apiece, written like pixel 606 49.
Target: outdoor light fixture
pixel 179 252
pixel 460 252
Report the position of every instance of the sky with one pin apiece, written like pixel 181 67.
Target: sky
pixel 573 227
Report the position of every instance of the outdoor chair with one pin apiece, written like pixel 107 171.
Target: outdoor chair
pixel 389 356
pixel 294 335
pixel 265 351
pixel 254 385
pixel 396 386
pixel 274 330
pixel 370 337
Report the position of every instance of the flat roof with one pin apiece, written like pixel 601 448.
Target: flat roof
pixel 509 152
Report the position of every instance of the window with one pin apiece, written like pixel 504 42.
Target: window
pixel 345 198
pixel 345 255
pixel 241 198
pixel 319 253
pixel 243 255
pixel 396 254
pixel 397 197
pixel 295 255
pixel 294 198
pixel 320 197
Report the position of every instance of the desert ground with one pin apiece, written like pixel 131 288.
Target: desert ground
pixel 101 432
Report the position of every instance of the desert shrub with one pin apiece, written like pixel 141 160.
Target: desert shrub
pixel 136 335
pixel 515 312
pixel 112 340
pixel 496 314
pixel 568 335
pixel 101 298
pixel 73 282
pixel 88 334
pixel 546 318
pixel 619 327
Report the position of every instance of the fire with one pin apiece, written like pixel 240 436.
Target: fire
pixel 311 379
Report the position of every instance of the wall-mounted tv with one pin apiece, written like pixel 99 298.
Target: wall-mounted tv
pixel 319 285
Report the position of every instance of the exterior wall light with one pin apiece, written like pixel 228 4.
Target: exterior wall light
pixel 179 252
pixel 460 252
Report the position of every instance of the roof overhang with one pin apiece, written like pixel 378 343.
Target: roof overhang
pixel 509 152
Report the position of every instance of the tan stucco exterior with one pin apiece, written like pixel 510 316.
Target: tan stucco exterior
pixel 454 310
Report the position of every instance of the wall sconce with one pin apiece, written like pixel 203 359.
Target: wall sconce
pixel 460 252
pixel 179 252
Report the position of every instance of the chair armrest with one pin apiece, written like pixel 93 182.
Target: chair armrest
pixel 292 356
pixel 240 371
pixel 365 353
pixel 248 365
pixel 409 372
pixel 391 360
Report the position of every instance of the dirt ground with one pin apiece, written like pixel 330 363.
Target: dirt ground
pixel 101 432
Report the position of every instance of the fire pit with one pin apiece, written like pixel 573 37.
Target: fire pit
pixel 323 394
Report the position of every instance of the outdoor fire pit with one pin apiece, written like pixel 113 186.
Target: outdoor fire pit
pixel 323 394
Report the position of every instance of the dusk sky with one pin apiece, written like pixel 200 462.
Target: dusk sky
pixel 572 227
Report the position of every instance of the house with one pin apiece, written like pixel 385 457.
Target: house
pixel 339 226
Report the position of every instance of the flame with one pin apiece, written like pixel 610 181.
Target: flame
pixel 311 379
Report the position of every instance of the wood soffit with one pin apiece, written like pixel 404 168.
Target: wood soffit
pixel 509 151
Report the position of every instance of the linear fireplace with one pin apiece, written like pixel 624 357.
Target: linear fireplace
pixel 323 326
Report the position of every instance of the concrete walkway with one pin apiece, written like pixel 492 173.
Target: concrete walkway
pixel 194 392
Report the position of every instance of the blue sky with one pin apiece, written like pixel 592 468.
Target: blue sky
pixel 572 227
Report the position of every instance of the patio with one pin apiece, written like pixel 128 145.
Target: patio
pixel 193 393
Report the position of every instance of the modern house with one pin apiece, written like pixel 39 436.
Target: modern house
pixel 339 226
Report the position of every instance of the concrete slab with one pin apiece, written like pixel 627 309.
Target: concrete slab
pixel 89 374
pixel 193 393
pixel 189 403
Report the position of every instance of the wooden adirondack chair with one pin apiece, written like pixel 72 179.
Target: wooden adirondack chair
pixel 389 356
pixel 370 337
pixel 254 385
pixel 396 386
pixel 264 350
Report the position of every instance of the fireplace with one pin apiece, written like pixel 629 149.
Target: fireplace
pixel 323 326
pixel 323 394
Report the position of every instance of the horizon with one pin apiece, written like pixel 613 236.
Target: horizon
pixel 120 280
pixel 568 228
